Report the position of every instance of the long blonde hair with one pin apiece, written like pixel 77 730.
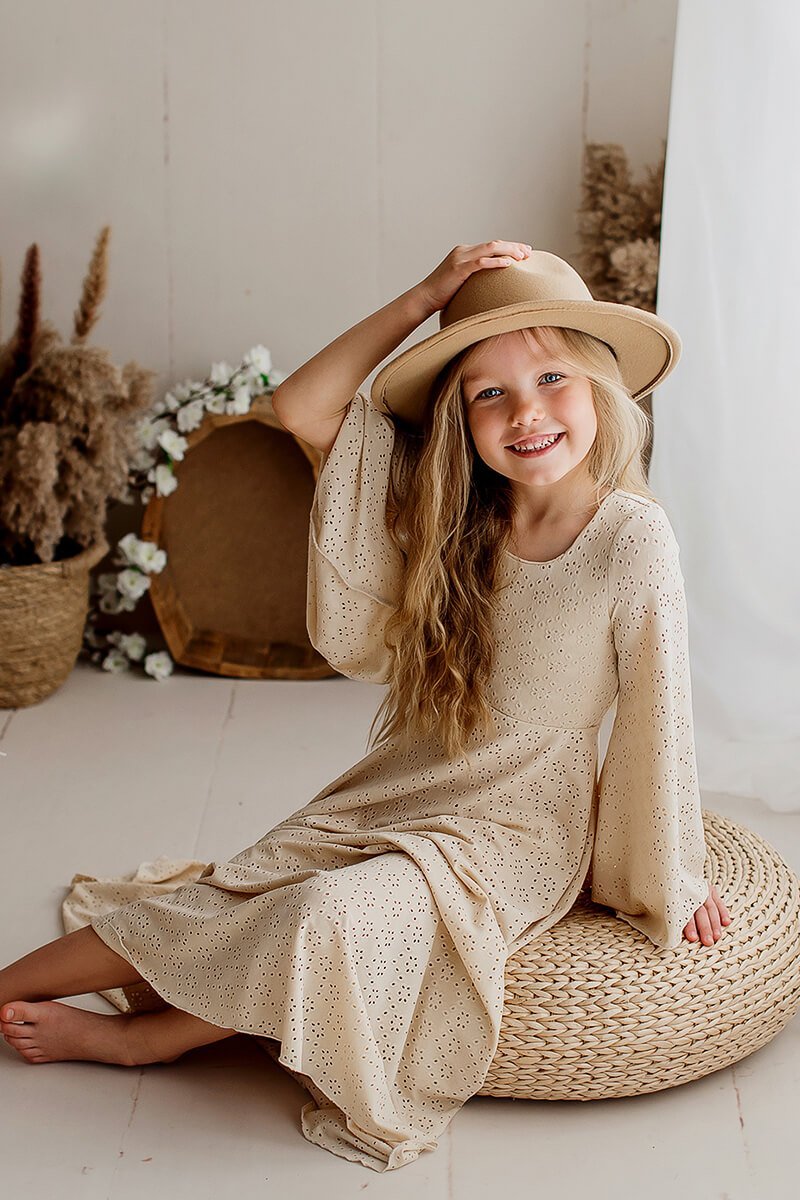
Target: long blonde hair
pixel 452 521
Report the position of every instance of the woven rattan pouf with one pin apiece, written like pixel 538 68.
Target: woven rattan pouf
pixel 594 1010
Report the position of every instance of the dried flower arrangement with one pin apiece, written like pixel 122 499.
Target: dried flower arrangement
pixel 159 444
pixel 619 223
pixel 66 425
pixel 67 435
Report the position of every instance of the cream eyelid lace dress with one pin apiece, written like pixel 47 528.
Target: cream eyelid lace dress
pixel 368 931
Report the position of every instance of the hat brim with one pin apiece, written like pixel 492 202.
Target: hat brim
pixel 646 347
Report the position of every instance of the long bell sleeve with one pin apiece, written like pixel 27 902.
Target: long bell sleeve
pixel 355 571
pixel 650 853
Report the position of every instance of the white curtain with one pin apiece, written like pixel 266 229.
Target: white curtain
pixel 726 451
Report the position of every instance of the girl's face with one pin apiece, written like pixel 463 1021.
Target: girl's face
pixel 514 393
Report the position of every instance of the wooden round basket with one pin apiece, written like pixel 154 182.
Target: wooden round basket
pixel 231 599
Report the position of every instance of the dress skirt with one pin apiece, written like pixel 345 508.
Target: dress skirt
pixel 350 968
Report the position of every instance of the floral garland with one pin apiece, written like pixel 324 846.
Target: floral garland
pixel 160 446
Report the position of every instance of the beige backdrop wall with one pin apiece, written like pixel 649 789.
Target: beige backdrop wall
pixel 273 172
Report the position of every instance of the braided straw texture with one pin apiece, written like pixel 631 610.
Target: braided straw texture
pixel 42 615
pixel 593 1009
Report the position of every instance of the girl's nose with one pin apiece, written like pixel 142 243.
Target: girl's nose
pixel 526 409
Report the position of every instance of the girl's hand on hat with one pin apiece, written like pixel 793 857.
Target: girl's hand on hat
pixel 706 924
pixel 441 285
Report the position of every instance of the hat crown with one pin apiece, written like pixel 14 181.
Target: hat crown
pixel 538 279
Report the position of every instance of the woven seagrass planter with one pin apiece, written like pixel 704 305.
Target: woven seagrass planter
pixel 42 616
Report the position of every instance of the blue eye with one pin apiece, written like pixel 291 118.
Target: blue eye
pixel 555 374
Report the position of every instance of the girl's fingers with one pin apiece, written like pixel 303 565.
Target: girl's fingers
pixel 713 916
pixel 707 922
pixel 703 925
pixel 725 915
pixel 505 250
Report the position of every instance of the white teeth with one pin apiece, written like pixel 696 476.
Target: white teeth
pixel 537 445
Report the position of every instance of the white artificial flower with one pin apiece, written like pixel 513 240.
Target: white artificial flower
pixel 145 555
pixel 116 661
pixel 158 407
pixel 163 478
pixel 129 548
pixel 173 443
pixel 276 377
pixel 260 358
pixel 110 602
pixel 152 558
pixel 149 431
pixel 128 603
pixel 254 380
pixel 195 388
pixel 107 581
pixel 147 494
pixel 221 373
pixel 132 644
pixel 215 403
pixel 142 459
pixel 158 664
pixel 132 583
pixel 182 391
pixel 171 401
pixel 190 416
pixel 240 402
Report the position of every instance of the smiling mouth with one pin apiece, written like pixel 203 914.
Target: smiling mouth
pixel 536 453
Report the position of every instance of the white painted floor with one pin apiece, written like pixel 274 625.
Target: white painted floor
pixel 110 771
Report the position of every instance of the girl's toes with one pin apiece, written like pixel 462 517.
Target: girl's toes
pixel 10 1030
pixel 23 1041
pixel 34 1056
pixel 29 1051
pixel 17 1011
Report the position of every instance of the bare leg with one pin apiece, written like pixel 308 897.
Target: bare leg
pixel 71 965
pixel 51 1032
pixel 75 964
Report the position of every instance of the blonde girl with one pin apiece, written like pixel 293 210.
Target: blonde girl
pixel 483 541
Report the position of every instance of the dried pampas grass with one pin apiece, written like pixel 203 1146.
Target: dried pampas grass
pixel 67 424
pixel 619 223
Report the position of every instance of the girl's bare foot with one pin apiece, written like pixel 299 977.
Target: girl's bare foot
pixel 47 1031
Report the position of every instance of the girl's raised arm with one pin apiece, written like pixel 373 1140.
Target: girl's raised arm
pixel 313 400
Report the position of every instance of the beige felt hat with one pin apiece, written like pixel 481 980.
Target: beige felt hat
pixel 541 289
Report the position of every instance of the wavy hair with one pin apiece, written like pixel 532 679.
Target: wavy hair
pixel 452 520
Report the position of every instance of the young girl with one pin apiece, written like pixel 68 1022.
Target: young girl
pixel 482 540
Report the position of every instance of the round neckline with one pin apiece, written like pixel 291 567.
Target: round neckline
pixel 546 562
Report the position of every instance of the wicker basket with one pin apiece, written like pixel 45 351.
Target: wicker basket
pixel 42 616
